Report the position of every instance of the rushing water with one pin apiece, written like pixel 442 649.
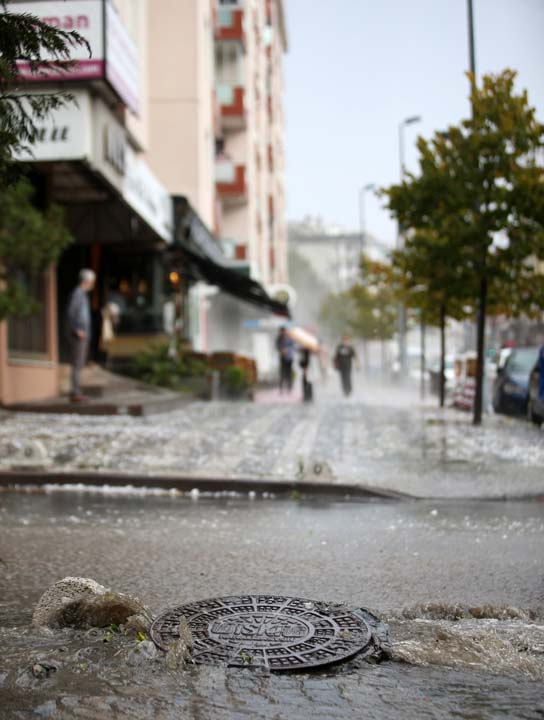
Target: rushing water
pixel 460 585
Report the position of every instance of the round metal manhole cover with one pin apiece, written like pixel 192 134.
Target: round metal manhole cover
pixel 279 633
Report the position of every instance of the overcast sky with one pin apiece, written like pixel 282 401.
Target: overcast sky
pixel 356 68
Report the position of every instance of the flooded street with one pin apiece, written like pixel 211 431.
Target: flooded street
pixel 459 584
pixel 271 360
pixel 382 437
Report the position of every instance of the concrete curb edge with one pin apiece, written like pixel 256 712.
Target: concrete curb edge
pixel 12 478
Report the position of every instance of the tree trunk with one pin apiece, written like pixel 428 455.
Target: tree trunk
pixel 365 357
pixel 442 379
pixel 480 347
pixel 422 363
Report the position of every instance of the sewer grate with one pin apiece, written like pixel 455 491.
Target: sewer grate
pixel 275 632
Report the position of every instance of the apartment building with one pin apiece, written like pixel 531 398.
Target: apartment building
pixel 216 100
pixel 171 186
pixel 250 42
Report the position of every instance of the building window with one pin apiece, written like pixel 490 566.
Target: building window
pixel 27 336
pixel 136 284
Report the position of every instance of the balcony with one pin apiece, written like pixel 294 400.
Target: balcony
pixel 270 108
pixel 230 181
pixel 230 25
pixel 231 100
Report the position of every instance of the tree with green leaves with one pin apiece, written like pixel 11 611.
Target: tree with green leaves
pixel 480 194
pixel 24 37
pixel 429 281
pixel 30 241
pixel 368 309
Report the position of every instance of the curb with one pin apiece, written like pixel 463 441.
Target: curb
pixel 13 478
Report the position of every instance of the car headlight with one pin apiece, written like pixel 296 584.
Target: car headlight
pixel 512 389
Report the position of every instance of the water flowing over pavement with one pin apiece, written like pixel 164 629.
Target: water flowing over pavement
pixel 460 585
pixel 380 437
pixel 458 580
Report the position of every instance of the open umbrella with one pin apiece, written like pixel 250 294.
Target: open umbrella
pixel 303 338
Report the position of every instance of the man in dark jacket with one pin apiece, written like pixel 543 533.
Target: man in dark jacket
pixel 344 357
pixel 286 351
pixel 78 325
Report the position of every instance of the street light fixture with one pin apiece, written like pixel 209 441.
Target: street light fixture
pixel 411 120
pixel 407 121
pixel 369 187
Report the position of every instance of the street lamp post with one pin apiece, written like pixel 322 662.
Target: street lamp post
pixel 369 187
pixel 471 49
pixel 401 315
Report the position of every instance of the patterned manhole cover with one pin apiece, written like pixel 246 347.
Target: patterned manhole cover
pixel 280 633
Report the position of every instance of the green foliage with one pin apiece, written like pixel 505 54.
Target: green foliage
pixel 426 281
pixel 476 210
pixel 24 37
pixel 368 310
pixel 30 241
pixel 474 215
pixel 160 366
pixel 236 378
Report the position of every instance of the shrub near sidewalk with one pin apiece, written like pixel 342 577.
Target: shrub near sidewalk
pixel 174 370
pixel 237 381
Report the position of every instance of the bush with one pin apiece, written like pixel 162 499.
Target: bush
pixel 236 378
pixel 159 366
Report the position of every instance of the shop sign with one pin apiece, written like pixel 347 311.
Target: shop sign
pixel 64 135
pixel 88 131
pixel 114 57
pixel 115 148
pixel 147 196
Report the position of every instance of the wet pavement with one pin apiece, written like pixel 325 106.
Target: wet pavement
pixel 460 584
pixel 382 437
pixel 458 579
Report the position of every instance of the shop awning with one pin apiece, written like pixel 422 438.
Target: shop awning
pixel 207 262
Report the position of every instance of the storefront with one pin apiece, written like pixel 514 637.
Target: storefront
pixel 121 219
pixel 210 274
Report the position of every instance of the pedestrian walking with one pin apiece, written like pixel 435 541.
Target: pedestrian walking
pixel 344 358
pixel 78 325
pixel 286 350
pixel 307 385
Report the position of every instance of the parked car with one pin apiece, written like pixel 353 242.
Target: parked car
pixel 535 403
pixel 511 387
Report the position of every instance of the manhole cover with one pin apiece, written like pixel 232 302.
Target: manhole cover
pixel 280 633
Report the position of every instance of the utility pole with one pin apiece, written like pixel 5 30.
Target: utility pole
pixel 471 51
pixel 480 327
pixel 401 311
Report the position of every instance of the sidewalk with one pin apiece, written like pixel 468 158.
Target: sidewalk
pixel 382 437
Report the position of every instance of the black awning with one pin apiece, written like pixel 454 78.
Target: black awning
pixel 203 252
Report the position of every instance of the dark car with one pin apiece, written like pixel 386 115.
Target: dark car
pixel 535 403
pixel 511 388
